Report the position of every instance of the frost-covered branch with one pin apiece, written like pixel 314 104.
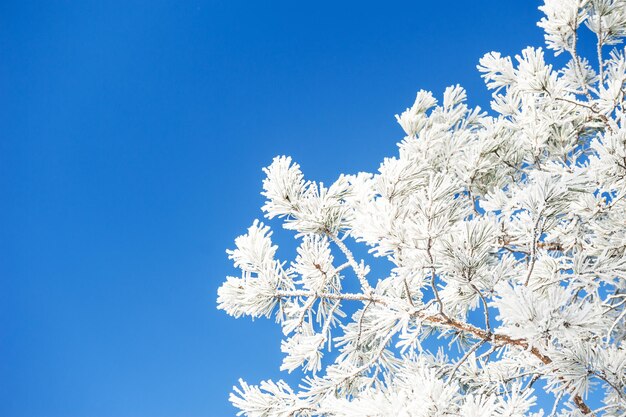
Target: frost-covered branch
pixel 517 215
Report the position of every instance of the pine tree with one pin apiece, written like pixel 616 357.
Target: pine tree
pixel 517 213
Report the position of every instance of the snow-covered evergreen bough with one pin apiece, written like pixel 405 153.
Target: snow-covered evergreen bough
pixel 517 216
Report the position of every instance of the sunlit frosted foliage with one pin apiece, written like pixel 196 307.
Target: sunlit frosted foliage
pixel 506 232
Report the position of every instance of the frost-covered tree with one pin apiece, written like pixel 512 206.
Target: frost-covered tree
pixel 516 216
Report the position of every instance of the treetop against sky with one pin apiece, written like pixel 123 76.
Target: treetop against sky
pixel 516 213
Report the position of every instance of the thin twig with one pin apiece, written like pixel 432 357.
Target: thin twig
pixel 358 337
pixel 464 358
pixel 408 292
pixel 432 277
pixel 348 254
pixel 487 321
pixel 533 248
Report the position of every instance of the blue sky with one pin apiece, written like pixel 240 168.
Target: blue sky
pixel 132 138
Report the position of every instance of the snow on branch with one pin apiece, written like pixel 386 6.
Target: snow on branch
pixel 507 236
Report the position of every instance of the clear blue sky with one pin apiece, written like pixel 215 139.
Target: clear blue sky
pixel 132 138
